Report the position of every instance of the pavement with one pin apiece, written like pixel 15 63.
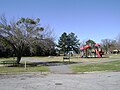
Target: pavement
pixel 62 69
pixel 48 81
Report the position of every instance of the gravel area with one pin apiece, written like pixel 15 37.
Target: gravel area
pixel 47 81
pixel 62 69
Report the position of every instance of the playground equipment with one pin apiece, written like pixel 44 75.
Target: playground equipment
pixel 91 51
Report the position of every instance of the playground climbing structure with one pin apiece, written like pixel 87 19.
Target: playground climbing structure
pixel 91 50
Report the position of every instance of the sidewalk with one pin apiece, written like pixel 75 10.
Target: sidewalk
pixel 62 69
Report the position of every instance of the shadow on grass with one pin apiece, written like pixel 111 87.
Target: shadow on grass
pixel 51 63
pixel 56 63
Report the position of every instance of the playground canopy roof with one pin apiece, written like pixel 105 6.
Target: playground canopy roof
pixel 97 44
pixel 85 47
pixel 88 46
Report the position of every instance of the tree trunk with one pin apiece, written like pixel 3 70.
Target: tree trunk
pixel 18 59
pixel 18 54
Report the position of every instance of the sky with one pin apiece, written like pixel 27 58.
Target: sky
pixel 88 19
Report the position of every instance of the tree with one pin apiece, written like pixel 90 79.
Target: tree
pixel 73 42
pixel 62 43
pixel 25 32
pixel 90 43
pixel 118 41
pixel 5 50
pixel 47 46
pixel 68 42
pixel 106 45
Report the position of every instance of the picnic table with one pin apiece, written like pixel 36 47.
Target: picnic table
pixel 66 57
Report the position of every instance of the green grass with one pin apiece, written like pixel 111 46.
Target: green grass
pixel 114 55
pixel 3 59
pixel 75 58
pixel 108 66
pixel 77 68
pixel 22 69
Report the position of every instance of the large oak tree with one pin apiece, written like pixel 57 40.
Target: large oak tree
pixel 25 32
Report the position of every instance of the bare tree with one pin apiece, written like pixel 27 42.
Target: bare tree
pixel 48 33
pixel 106 43
pixel 118 41
pixel 109 45
pixel 48 40
pixel 25 32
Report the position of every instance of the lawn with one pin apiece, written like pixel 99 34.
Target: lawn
pixel 75 58
pixel 22 69
pixel 77 68
pixel 30 67
pixel 107 66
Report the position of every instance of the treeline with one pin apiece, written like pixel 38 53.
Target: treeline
pixel 7 51
pixel 111 45
pixel 66 43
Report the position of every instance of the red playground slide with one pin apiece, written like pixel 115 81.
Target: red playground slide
pixel 98 54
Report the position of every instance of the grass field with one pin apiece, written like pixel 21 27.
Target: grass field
pixel 75 58
pixel 30 67
pixel 22 69
pixel 77 68
pixel 106 66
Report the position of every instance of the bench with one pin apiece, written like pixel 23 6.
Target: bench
pixel 8 62
pixel 66 57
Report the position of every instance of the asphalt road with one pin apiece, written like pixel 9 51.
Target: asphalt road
pixel 48 81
